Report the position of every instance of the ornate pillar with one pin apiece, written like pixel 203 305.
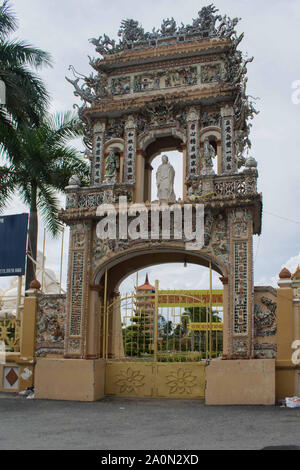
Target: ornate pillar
pixel 219 157
pixel 98 153
pixel 140 176
pixel 226 310
pixel 93 325
pixel 240 282
pixel 78 289
pixel 184 167
pixel 227 126
pixel 148 181
pixel 192 144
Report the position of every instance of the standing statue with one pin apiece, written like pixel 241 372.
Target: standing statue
pixel 111 166
pixel 165 181
pixel 207 153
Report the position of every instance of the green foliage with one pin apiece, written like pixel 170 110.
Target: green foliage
pixel 26 95
pixel 38 160
pixel 139 335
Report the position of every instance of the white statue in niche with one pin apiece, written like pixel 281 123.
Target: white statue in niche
pixel 165 181
pixel 208 153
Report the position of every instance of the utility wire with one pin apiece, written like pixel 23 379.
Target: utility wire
pixel 283 218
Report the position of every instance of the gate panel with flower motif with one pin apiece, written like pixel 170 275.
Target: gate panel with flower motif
pixel 174 380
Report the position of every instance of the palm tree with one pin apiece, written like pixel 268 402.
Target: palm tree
pixel 26 96
pixel 38 162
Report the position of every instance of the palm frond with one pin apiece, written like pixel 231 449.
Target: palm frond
pixel 48 204
pixel 8 22
pixel 21 53
pixel 8 181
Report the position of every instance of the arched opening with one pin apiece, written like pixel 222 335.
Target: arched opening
pixel 183 314
pixel 119 308
pixel 153 147
pixel 175 159
pixel 213 134
pixel 128 263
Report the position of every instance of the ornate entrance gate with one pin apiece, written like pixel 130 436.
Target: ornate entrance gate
pixel 180 88
pixel 161 345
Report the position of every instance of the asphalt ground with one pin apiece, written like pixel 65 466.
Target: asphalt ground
pixel 143 424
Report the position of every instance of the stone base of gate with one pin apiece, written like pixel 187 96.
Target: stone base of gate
pixel 69 379
pixel 245 382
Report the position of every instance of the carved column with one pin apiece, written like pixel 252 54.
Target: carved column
pixel 184 168
pixel 227 127
pixel 226 310
pixel 219 157
pixel 192 144
pixel 241 290
pixel 78 289
pixel 93 326
pixel 140 176
pixel 148 181
pixel 98 153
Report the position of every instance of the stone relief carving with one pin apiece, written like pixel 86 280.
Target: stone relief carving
pixel 219 238
pixel 115 129
pixel 181 382
pixel 210 119
pixel 210 73
pixel 265 317
pixel 50 325
pixel 120 85
pixel 130 380
pixel 240 347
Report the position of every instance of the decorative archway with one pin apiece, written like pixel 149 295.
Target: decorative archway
pixel 151 96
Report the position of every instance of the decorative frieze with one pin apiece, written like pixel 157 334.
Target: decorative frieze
pixel 120 85
pixel 166 78
pixel 230 187
pixel 211 73
pixel 208 119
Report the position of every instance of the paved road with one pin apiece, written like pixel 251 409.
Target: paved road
pixel 127 424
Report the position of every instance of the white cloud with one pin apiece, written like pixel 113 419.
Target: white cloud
pixel 292 263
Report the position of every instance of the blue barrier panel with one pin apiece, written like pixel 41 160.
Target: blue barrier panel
pixel 13 237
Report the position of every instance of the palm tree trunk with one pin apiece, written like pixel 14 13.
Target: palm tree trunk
pixel 32 238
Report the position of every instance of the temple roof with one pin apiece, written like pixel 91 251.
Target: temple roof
pixel 146 285
pixel 296 274
pixel 285 274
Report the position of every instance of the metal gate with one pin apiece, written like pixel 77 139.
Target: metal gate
pixel 157 344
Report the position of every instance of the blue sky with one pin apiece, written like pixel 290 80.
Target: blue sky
pixel 271 35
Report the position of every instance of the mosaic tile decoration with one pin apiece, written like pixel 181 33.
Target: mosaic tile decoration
pixel 241 287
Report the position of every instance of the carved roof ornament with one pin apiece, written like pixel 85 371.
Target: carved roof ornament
pixel 132 34
pixel 99 89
